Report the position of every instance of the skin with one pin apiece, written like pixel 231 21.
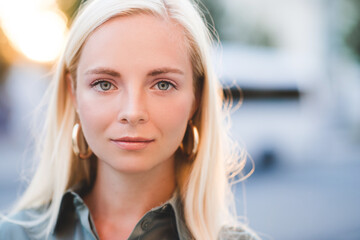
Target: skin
pixel 134 80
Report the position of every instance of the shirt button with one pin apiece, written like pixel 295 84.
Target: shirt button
pixel 146 224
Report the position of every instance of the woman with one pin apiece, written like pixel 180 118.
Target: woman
pixel 149 157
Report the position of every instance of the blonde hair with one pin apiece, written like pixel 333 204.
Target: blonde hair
pixel 203 182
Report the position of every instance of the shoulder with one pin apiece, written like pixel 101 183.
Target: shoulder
pixel 20 226
pixel 11 227
pixel 237 233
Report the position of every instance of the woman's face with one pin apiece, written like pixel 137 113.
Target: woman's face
pixel 134 93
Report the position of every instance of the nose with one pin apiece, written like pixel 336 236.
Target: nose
pixel 133 107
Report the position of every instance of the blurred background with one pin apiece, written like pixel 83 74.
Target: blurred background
pixel 297 63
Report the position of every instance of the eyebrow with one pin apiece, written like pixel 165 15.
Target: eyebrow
pixel 160 71
pixel 105 71
pixel 155 72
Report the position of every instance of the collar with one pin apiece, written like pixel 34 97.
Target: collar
pixel 176 205
pixel 72 201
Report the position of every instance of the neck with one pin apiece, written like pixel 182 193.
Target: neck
pixel 126 197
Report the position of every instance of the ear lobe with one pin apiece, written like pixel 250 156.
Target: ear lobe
pixel 71 88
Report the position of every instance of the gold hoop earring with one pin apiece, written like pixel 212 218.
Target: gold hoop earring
pixel 195 141
pixel 79 143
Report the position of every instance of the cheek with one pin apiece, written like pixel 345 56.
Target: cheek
pixel 94 115
pixel 172 117
pixel 176 114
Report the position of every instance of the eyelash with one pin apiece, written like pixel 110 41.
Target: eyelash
pixel 171 85
pixel 97 84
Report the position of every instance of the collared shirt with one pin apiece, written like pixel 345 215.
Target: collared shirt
pixel 74 222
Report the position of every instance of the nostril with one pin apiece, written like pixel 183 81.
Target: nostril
pixel 123 120
pixel 134 112
pixel 133 119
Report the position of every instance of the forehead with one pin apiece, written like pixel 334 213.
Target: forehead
pixel 137 36
pixel 146 20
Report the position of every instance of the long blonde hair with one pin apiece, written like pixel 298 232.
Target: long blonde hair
pixel 203 182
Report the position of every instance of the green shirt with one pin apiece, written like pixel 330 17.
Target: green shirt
pixel 165 222
pixel 74 222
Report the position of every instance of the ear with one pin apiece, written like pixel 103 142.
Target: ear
pixel 71 88
pixel 194 107
pixel 197 100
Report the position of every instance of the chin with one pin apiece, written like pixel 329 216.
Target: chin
pixel 136 165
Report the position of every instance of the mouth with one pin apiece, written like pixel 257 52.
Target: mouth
pixel 132 143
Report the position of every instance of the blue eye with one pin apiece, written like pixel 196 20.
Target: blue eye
pixel 103 86
pixel 164 85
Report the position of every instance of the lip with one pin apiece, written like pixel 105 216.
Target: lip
pixel 132 143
